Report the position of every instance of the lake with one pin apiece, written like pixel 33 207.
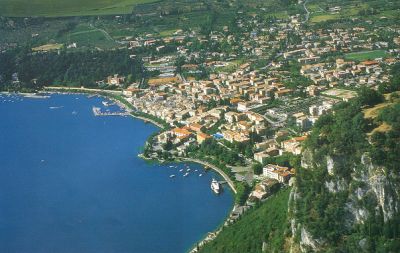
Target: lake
pixel 72 182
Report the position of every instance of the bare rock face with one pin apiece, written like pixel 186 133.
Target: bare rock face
pixel 379 182
pixel 366 183
pixel 307 240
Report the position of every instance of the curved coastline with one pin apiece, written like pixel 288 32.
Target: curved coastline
pixel 74 90
pixel 102 93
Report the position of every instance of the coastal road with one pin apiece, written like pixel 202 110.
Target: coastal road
pixel 225 176
pixel 114 92
pixel 307 11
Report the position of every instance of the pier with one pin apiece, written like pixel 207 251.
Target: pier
pixel 97 112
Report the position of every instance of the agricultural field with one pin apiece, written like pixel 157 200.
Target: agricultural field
pixel 60 8
pixel 47 47
pixel 320 10
pixel 366 55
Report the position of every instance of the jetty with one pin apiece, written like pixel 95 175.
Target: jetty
pixel 213 167
pixel 97 112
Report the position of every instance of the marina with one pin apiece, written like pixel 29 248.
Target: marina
pixel 97 112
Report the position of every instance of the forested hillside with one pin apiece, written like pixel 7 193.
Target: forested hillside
pixel 267 223
pixel 347 194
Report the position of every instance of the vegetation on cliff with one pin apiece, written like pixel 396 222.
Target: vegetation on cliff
pixel 268 223
pixel 327 183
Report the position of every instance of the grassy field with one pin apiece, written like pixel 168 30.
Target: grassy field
pixel 366 55
pixel 48 47
pixel 53 8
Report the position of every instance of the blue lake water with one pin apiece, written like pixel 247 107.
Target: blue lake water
pixel 72 182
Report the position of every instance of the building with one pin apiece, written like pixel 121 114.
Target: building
pixel 115 80
pixel 265 189
pixel 282 174
pixel 293 145
pixel 202 137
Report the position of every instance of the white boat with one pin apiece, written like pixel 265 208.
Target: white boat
pixel 185 175
pixel 195 170
pixel 188 170
pixel 171 176
pixel 200 175
pixel 181 170
pixel 215 186
pixel 171 166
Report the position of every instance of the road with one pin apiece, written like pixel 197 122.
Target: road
pixel 307 11
pixel 225 176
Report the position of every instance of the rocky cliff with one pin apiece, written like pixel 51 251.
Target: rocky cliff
pixel 346 199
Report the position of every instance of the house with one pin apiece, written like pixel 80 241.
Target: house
pixel 293 145
pixel 261 157
pixel 282 93
pixel 202 137
pixel 196 127
pixel 230 116
pixel 130 92
pixel 181 132
pixel 264 189
pixel 115 80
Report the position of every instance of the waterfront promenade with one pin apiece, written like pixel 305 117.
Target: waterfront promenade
pixel 223 174
pixel 100 92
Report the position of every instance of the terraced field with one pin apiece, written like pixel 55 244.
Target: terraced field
pixel 62 8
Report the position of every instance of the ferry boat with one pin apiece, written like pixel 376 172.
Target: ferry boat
pixel 215 186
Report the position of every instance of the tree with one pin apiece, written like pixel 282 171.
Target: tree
pixel 369 97
pixel 257 168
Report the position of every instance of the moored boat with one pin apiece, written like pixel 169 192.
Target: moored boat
pixel 215 186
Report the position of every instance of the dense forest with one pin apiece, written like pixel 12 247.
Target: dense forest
pixel 32 70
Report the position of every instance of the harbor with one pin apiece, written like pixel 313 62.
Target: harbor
pixel 98 112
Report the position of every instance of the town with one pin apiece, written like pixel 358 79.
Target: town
pixel 244 96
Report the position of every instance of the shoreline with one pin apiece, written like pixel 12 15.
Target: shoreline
pixel 85 91
pixel 62 90
pixel 208 236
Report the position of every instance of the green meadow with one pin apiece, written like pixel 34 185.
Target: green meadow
pixel 64 8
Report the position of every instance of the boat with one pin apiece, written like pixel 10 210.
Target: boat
pixel 215 186
pixel 181 170
pixel 171 176
pixel 171 166
pixel 200 175
pixel 188 170
pixel 185 175
pixel 196 170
